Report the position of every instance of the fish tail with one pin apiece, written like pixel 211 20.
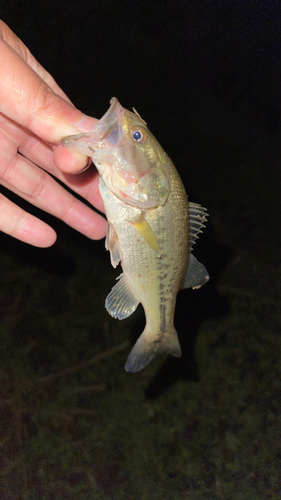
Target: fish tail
pixel 145 349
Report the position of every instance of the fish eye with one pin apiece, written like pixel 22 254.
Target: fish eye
pixel 139 134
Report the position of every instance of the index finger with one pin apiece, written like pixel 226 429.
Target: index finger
pixel 30 102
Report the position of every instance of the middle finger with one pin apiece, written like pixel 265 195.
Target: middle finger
pixel 85 184
pixel 37 187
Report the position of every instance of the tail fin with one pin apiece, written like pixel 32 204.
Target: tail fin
pixel 145 349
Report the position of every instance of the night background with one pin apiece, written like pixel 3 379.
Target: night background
pixel 73 424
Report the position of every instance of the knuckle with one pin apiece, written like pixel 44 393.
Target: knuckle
pixel 46 97
pixel 12 217
pixel 43 103
pixel 7 156
pixel 38 186
pixel 18 224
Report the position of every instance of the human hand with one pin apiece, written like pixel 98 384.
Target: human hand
pixel 34 116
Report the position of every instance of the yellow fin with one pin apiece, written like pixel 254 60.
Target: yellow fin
pixel 148 235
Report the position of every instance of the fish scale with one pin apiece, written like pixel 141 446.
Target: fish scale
pixel 143 270
pixel 151 227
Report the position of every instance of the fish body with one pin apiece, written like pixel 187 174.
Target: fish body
pixel 151 227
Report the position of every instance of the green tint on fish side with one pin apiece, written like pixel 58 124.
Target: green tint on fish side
pixel 151 227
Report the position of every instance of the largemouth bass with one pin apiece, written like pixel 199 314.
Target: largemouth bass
pixel 151 227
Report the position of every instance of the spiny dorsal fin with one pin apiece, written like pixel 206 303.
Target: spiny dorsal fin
pixel 197 216
pixel 136 113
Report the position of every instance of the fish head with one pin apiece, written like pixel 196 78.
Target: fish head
pixel 130 161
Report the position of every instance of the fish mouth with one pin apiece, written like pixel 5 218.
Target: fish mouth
pixel 108 128
pixel 106 134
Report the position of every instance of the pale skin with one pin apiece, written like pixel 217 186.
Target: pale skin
pixel 35 115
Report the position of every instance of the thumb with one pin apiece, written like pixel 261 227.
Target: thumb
pixel 29 101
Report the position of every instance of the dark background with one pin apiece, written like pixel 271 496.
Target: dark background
pixel 206 77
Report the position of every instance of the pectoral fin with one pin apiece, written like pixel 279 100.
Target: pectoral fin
pixel 112 244
pixel 147 234
pixel 121 302
pixel 197 274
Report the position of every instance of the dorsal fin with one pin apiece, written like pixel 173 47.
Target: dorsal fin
pixel 197 216
pixel 136 113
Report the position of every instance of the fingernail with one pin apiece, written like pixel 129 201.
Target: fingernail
pixel 88 164
pixel 86 123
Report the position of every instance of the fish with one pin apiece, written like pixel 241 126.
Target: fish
pixel 151 227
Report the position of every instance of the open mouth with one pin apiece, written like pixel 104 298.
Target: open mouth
pixel 112 134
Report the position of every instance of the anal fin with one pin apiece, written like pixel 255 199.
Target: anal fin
pixel 197 274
